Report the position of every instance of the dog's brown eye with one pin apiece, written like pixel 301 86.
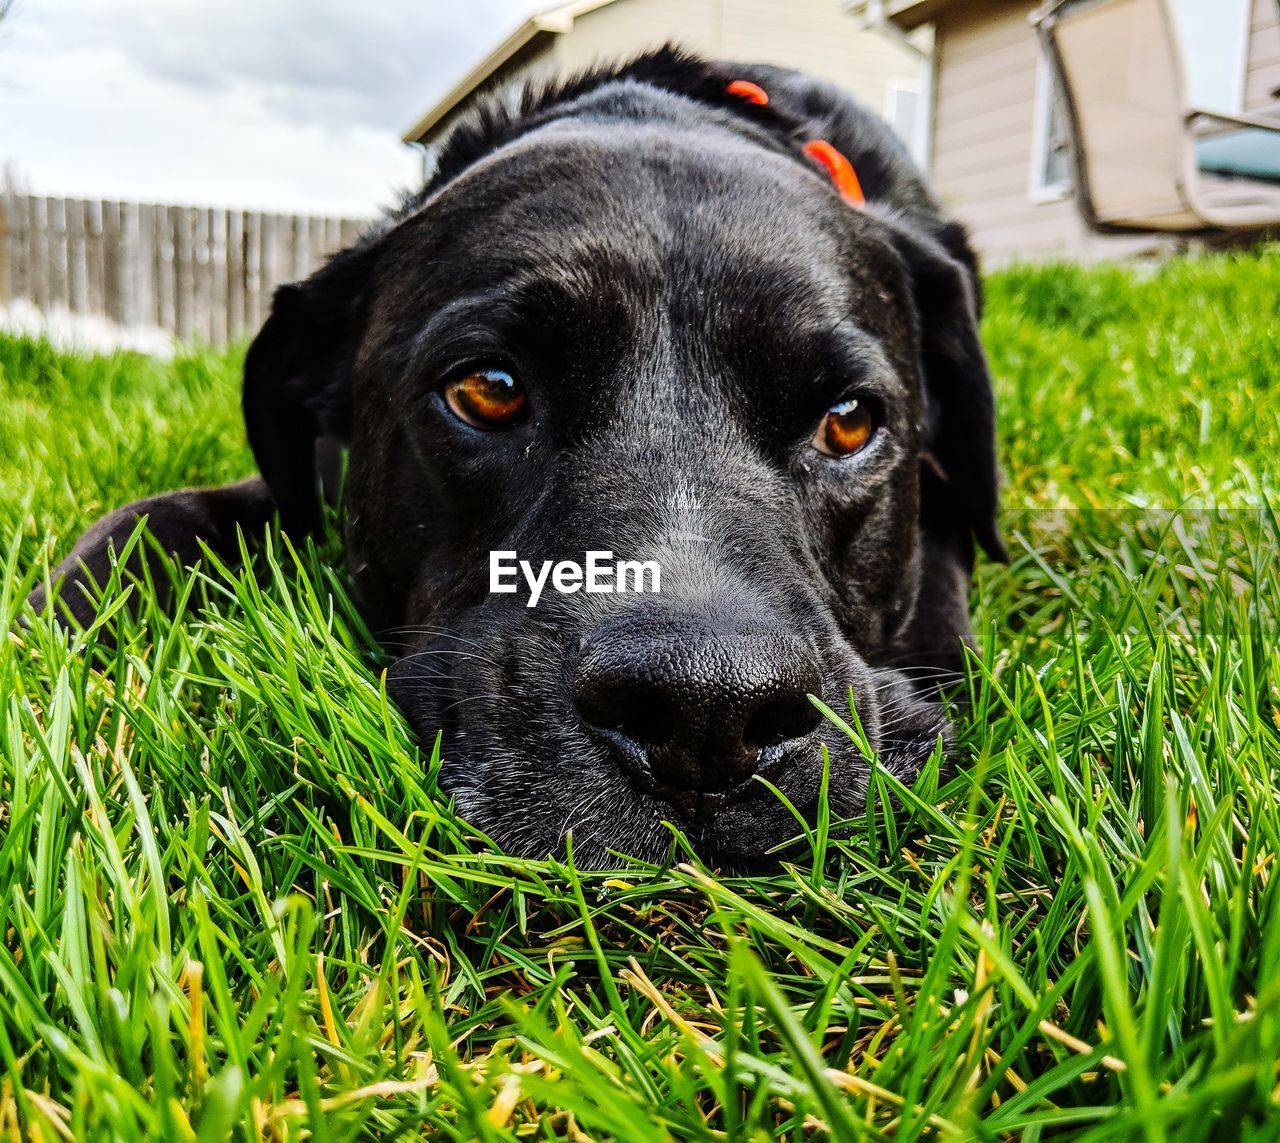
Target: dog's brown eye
pixel 845 429
pixel 488 399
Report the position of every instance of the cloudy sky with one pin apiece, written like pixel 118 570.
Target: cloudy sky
pixel 292 105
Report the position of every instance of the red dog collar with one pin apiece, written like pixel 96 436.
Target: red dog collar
pixel 836 164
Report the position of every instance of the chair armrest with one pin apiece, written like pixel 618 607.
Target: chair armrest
pixel 1261 122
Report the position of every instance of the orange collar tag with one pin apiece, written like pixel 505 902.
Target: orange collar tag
pixel 839 169
pixel 751 92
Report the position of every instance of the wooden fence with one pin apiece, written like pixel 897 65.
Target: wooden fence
pixel 203 273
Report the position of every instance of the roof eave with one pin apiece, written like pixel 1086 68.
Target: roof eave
pixel 521 38
pixel 553 22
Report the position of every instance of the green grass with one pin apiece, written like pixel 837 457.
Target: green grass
pixel 234 904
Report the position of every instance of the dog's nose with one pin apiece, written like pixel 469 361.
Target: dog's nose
pixel 693 706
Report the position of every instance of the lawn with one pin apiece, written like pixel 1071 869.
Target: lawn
pixel 234 903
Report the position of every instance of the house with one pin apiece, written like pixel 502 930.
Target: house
pixel 884 69
pixel 999 153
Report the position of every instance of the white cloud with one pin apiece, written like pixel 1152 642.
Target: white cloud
pixel 291 105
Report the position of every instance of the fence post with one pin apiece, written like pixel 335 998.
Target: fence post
pixel 235 274
pixel 56 236
pixel 16 225
pixel 94 257
pixel 217 276
pixel 113 238
pixel 6 287
pixel 253 270
pixel 77 270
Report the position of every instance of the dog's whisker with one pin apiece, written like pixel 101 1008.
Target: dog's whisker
pixel 431 652
pixel 474 698
pixel 428 629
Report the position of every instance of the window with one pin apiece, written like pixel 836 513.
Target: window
pixel 1214 35
pixel 908 106
pixel 1051 171
pixel 902 110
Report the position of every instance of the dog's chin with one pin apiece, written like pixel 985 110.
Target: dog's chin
pixel 541 799
pixel 753 832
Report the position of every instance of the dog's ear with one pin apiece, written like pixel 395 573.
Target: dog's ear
pixel 960 480
pixel 297 390
pixel 178 523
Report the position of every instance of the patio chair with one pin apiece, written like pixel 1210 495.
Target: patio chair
pixel 1144 160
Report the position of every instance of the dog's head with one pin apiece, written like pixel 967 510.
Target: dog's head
pixel 631 317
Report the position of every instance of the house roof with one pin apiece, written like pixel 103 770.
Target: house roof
pixel 549 22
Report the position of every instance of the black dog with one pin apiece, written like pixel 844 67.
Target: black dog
pixel 630 312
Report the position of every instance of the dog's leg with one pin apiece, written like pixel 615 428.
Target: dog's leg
pixel 178 521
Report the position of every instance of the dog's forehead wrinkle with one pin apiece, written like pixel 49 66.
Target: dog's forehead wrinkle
pixel 861 347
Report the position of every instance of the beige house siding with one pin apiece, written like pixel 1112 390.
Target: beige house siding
pixel 986 82
pixel 537 60
pixel 628 26
pixel 814 35
pixel 1262 75
pixel 818 37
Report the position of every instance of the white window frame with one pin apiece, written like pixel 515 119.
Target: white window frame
pixel 916 145
pixel 1038 190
